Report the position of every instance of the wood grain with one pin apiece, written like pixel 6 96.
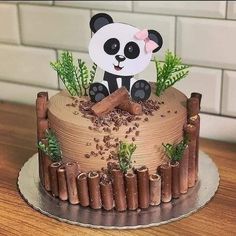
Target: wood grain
pixel 17 135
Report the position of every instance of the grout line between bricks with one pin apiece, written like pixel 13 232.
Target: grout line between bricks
pixel 132 6
pixel 86 52
pixel 175 35
pixel 19 23
pixel 27 84
pixel 53 48
pixel 58 80
pixel 128 11
pixel 226 10
pixel 221 91
pixel 217 115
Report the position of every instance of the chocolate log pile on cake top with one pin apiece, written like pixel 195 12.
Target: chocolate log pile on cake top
pixel 120 143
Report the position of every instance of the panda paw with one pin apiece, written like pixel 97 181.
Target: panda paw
pixel 97 92
pixel 141 90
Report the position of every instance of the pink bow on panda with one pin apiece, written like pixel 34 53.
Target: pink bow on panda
pixel 150 45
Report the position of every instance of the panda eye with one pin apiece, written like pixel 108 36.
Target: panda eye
pixel 112 46
pixel 131 50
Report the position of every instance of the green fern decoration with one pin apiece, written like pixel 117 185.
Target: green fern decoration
pixel 76 78
pixel 83 76
pixel 125 153
pixel 175 152
pixel 169 72
pixel 93 72
pixel 52 149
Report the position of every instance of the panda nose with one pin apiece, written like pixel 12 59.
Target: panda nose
pixel 120 58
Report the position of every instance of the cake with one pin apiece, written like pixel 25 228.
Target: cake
pixel 121 143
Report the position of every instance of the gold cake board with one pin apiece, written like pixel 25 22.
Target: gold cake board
pixel 38 198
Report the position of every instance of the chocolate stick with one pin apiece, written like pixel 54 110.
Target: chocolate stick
pixel 198 96
pixel 195 120
pixel 118 98
pixel 46 161
pixel 83 191
pixel 119 190
pixel 165 171
pixel 72 172
pixel 53 177
pixel 175 180
pixel 143 187
pixel 191 132
pixel 155 189
pixel 42 125
pixel 41 105
pixel 192 107
pixel 106 193
pixel 132 107
pixel 131 191
pixel 62 185
pixel 183 171
pixel 41 113
pixel 94 190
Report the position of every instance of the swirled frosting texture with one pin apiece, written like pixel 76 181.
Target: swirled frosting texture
pixel 77 140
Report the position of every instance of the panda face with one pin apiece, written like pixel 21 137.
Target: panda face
pixel 115 49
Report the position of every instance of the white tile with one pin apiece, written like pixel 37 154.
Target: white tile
pixel 21 93
pixel 229 94
pixel 231 13
pixel 27 65
pixel 55 27
pixel 40 2
pixel 43 2
pixel 85 57
pixel 106 5
pixel 6 1
pixel 184 8
pixel 165 25
pixel 218 128
pixel 207 42
pixel 205 81
pixel 9 24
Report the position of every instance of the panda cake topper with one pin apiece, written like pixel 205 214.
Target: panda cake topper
pixel 122 51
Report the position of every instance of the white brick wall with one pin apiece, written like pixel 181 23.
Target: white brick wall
pixel 27 65
pixel 101 5
pixel 21 93
pixel 9 24
pixel 184 8
pixel 207 42
pixel 55 27
pixel 206 81
pixel 229 93
pixel 203 33
pixel 231 10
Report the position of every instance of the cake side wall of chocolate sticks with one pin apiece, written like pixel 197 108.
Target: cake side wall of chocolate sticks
pixel 124 189
pixel 42 126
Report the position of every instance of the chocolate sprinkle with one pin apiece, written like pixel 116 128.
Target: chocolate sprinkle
pixel 106 148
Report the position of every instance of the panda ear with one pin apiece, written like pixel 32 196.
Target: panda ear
pixel 99 20
pixel 156 37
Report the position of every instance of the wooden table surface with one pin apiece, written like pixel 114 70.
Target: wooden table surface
pixel 17 144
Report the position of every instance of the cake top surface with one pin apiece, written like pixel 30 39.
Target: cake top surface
pixel 169 105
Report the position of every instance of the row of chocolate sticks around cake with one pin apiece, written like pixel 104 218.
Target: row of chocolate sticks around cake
pixel 124 191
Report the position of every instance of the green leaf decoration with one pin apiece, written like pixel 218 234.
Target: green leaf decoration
pixel 76 78
pixel 52 149
pixel 125 153
pixel 93 72
pixel 169 72
pixel 175 152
